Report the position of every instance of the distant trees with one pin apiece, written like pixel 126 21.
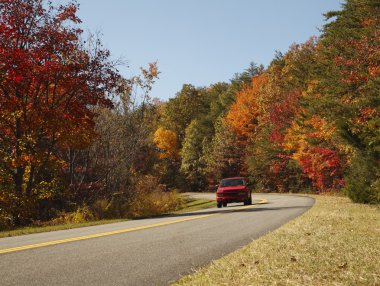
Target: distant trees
pixel 181 110
pixel 310 120
pixel 224 156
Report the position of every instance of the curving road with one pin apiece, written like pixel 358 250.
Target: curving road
pixel 153 251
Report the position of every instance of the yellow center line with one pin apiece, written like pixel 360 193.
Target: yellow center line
pixel 55 242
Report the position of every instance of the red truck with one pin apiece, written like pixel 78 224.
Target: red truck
pixel 233 190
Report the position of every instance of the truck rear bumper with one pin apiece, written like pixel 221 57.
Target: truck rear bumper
pixel 231 199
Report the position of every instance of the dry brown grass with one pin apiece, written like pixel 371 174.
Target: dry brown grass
pixel 335 243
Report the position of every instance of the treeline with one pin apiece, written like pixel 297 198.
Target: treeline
pixel 309 121
pixel 80 142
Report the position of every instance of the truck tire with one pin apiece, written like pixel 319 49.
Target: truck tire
pixel 219 205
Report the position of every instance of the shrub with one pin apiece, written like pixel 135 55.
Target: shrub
pixel 362 180
pixel 151 198
pixel 100 209
pixel 146 198
pixel 82 214
pixel 6 221
pixel 115 207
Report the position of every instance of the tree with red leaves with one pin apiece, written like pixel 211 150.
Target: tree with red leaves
pixel 50 80
pixel 323 166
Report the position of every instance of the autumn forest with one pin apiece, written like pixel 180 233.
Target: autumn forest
pixel 80 142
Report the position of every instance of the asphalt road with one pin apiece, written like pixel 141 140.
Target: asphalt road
pixel 153 251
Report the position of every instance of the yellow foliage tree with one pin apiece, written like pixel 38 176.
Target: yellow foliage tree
pixel 167 142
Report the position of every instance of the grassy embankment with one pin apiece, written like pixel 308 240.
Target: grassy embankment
pixel 189 204
pixel 335 243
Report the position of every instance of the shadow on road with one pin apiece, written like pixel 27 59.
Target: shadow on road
pixel 235 209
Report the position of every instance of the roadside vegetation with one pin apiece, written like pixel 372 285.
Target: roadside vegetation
pixel 79 142
pixel 335 243
pixel 77 219
pixel 194 204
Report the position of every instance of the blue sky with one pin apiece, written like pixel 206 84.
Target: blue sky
pixel 200 41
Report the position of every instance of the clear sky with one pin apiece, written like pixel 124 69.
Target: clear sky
pixel 201 41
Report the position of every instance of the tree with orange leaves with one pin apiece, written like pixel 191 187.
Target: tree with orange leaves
pixel 244 113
